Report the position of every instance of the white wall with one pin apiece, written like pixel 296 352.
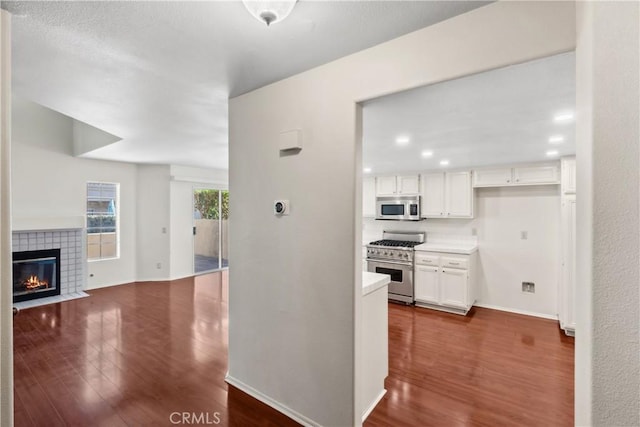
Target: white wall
pixel 293 337
pixel 504 259
pixel 153 223
pixel 6 291
pixel 607 353
pixel 47 181
pixel 584 208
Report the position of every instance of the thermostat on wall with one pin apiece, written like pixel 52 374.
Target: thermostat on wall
pixel 281 207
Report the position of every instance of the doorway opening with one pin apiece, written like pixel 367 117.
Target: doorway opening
pixel 210 229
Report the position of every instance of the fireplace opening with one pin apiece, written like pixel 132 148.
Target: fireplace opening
pixel 36 274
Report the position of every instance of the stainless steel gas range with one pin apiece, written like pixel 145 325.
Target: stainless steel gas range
pixel 393 255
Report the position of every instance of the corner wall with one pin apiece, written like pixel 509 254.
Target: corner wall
pixel 153 223
pixel 49 182
pixel 295 286
pixel 6 287
pixel 607 353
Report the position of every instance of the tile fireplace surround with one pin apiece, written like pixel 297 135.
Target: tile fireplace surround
pixel 73 261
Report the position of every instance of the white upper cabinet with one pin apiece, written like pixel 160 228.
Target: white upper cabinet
pixel 492 177
pixel 520 175
pixel 386 185
pixel 447 195
pixel 369 197
pixel 394 185
pixel 459 194
pixel 408 184
pixel 536 175
pixel 568 175
pixel 432 202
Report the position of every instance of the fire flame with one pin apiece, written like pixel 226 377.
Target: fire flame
pixel 33 282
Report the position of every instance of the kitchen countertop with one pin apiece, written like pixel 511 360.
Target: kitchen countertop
pixel 371 282
pixel 463 248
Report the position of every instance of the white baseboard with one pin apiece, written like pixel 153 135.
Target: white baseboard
pixel 514 310
pixel 139 279
pixel 296 416
pixel 105 285
pixel 375 402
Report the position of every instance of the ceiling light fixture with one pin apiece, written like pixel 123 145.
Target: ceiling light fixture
pixel 366 170
pixel 556 139
pixel 444 162
pixel 563 117
pixel 269 12
pixel 427 153
pixel 552 153
pixel 402 140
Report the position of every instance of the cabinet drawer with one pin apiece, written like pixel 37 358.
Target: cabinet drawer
pixel 536 175
pixel 423 259
pixel 450 262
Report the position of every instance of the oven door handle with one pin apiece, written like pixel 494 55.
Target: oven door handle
pixel 388 262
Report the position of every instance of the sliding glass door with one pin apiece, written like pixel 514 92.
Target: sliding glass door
pixel 210 225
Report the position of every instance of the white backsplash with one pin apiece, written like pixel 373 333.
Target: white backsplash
pixel 438 230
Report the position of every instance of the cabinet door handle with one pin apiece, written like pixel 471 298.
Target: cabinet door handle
pixel 454 263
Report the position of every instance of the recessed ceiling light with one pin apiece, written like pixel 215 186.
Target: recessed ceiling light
pixel 552 153
pixel 427 153
pixel 556 139
pixel 402 140
pixel 366 170
pixel 444 162
pixel 563 117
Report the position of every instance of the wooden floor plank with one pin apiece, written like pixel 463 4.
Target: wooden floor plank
pixel 489 368
pixel 132 355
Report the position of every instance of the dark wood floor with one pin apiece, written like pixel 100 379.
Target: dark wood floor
pixel 489 368
pixel 131 355
pixel 134 354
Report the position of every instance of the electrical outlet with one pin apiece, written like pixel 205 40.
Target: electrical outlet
pixel 159 266
pixel 474 231
pixel 529 287
pixel 524 235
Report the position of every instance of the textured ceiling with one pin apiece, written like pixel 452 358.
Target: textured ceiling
pixel 498 117
pixel 159 74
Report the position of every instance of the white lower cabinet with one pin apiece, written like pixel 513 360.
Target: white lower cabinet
pixel 445 281
pixel 426 284
pixel 454 285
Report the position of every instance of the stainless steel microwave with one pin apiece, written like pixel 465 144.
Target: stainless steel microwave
pixel 398 207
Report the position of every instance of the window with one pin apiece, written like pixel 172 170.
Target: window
pixel 103 204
